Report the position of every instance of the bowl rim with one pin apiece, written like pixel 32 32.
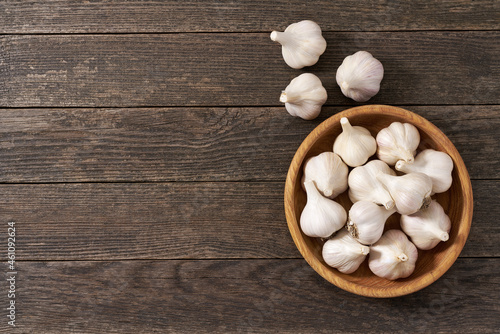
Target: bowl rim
pixel 326 271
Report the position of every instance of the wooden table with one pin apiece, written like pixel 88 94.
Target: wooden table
pixel 143 154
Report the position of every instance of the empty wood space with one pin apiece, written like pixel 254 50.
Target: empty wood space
pixel 144 151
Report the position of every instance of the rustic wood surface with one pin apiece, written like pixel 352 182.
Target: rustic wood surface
pixel 143 157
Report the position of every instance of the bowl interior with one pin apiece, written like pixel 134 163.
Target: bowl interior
pixel 457 203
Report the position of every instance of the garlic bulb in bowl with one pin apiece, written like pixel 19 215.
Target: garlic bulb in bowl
pixel 427 227
pixel 302 43
pixel 410 192
pixel 437 165
pixel 321 216
pixel 328 172
pixel 399 141
pixel 355 144
pixel 393 256
pixel 359 76
pixel 344 252
pixel 364 185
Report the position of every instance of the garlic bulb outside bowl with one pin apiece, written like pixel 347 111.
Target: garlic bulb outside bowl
pixel 302 43
pixel 304 96
pixel 457 202
pixel 359 76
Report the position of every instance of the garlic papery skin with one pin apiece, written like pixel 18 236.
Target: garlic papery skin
pixel 437 165
pixel 410 191
pixel 328 172
pixel 364 185
pixel 397 142
pixel 427 227
pixel 302 43
pixel 321 216
pixel 304 96
pixel 393 256
pixel 355 144
pixel 344 252
pixel 359 76
pixel 366 221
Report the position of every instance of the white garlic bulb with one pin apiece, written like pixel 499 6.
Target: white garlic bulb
pixel 367 220
pixel 393 256
pixel 427 227
pixel 302 43
pixel 437 165
pixel 328 172
pixel 364 185
pixel 355 144
pixel 410 191
pixel 321 216
pixel 397 142
pixel 359 76
pixel 344 253
pixel 304 96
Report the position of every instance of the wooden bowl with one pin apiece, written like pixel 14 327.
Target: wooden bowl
pixel 457 203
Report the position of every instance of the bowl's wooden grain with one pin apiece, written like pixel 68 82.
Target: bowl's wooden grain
pixel 457 203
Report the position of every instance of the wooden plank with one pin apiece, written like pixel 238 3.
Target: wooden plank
pixel 196 144
pixel 254 296
pixel 122 16
pixel 238 69
pixel 178 221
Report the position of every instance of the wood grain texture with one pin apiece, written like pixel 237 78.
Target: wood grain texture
pixel 197 144
pixel 238 69
pixel 179 221
pixel 254 296
pixel 122 16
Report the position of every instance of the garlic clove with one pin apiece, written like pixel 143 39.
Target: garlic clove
pixel 328 172
pixel 302 43
pixel 427 227
pixel 355 144
pixel 393 256
pixel 364 186
pixel 344 252
pixel 366 221
pixel 410 191
pixel 321 216
pixel 399 141
pixel 304 96
pixel 359 76
pixel 437 165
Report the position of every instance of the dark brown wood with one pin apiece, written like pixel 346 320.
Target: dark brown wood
pixel 179 220
pixel 284 296
pixel 122 16
pixel 196 144
pixel 238 69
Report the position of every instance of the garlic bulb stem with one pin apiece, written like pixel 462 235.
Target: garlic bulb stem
pixel 402 257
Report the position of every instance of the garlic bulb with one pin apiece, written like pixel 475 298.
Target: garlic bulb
pixel 427 227
pixel 344 253
pixel 364 185
pixel 328 172
pixel 367 220
pixel 359 76
pixel 399 141
pixel 355 144
pixel 437 165
pixel 393 256
pixel 304 96
pixel 302 43
pixel 410 191
pixel 321 216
